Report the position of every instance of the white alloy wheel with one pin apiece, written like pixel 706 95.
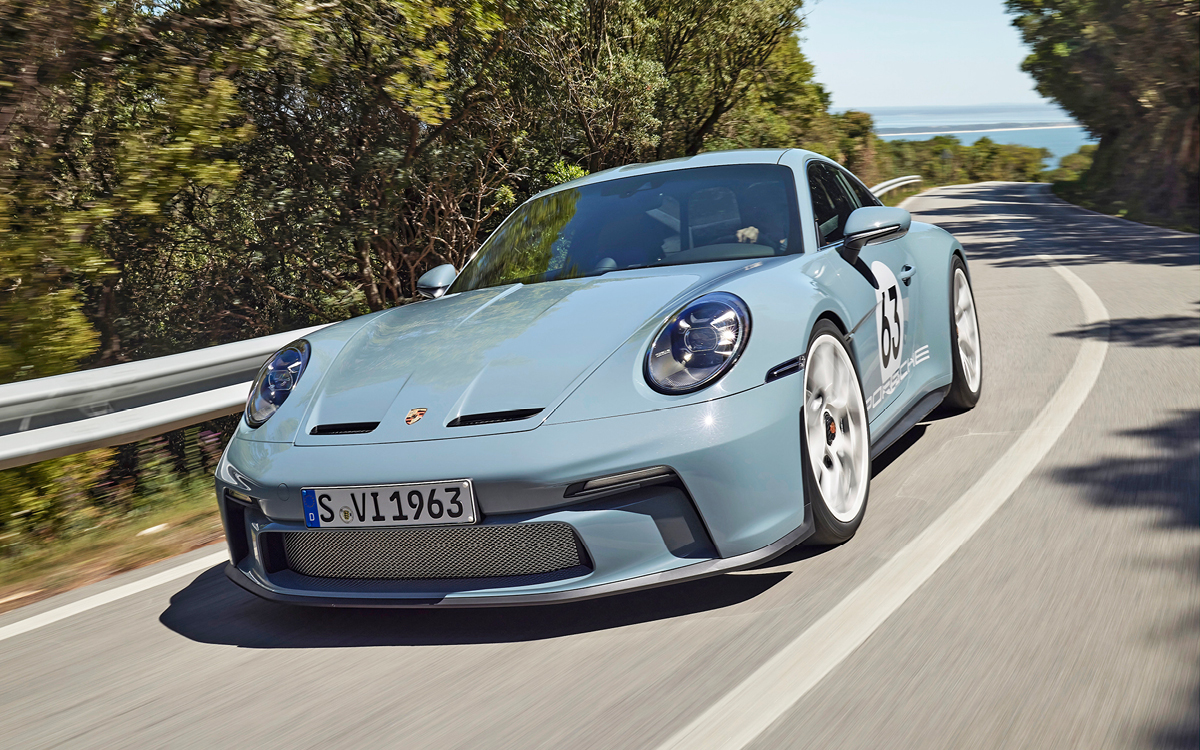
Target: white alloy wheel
pixel 835 423
pixel 967 327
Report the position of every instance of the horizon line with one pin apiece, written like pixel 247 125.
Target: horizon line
pixel 984 130
pixel 838 109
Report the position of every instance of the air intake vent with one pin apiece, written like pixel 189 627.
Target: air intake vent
pixel 433 552
pixel 492 417
pixel 344 428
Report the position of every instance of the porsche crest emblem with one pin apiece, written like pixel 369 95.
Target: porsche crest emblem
pixel 414 415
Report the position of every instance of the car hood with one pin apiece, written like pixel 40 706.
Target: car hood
pixel 499 350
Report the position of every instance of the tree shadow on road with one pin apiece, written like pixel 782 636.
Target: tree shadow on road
pixel 1168 482
pixel 1040 224
pixel 1176 331
pixel 212 609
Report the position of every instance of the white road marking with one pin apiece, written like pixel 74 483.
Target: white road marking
pixel 120 592
pixel 745 712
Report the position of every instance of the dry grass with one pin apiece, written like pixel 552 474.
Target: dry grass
pixel 189 517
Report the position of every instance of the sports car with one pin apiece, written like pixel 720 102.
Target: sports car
pixel 647 375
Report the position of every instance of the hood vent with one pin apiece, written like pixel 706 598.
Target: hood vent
pixel 492 417
pixel 344 428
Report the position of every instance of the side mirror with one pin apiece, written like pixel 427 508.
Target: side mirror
pixel 872 224
pixel 436 281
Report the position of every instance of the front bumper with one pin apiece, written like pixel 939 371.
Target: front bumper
pixel 736 500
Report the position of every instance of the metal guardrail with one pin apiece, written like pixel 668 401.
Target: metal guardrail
pixel 57 416
pixel 899 182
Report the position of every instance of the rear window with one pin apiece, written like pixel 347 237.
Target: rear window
pixel 683 216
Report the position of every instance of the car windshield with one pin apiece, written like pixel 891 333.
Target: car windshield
pixel 683 216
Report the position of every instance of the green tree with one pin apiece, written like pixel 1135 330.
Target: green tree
pixel 1128 70
pixel 712 55
pixel 1072 166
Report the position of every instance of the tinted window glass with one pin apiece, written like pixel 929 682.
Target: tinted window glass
pixel 858 191
pixel 832 203
pixel 682 216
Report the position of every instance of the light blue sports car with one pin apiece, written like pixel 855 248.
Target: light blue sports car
pixel 647 375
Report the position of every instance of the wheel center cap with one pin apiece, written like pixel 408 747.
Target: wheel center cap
pixel 830 428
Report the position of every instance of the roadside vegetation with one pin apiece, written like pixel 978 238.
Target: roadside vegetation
pixel 77 519
pixel 1130 73
pixel 182 173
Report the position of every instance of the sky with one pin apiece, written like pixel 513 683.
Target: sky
pixel 887 53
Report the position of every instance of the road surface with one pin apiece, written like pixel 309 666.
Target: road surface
pixel 1068 617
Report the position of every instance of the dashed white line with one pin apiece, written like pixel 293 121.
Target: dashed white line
pixel 745 712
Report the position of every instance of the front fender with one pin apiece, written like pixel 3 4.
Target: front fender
pixel 785 297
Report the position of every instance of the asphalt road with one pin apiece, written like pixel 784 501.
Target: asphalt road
pixel 1071 618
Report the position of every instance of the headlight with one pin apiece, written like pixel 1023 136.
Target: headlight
pixel 275 382
pixel 699 344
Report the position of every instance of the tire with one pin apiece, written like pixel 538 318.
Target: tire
pixel 835 438
pixel 965 347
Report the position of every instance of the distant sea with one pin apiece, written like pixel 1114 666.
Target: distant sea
pixel 1038 125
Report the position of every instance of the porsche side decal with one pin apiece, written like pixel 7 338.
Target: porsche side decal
pixel 898 375
pixel 889 320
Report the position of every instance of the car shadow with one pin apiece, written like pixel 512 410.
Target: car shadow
pixel 898 448
pixel 212 609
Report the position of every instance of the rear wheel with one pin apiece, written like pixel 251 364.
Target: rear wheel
pixel 964 341
pixel 837 440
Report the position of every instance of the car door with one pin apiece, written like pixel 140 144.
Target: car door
pixel 898 298
pixel 884 360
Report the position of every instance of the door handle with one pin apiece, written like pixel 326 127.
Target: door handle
pixel 906 274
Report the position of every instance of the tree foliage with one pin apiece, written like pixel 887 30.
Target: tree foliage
pixel 1129 71
pixel 944 160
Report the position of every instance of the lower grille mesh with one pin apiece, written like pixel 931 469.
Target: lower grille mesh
pixel 434 552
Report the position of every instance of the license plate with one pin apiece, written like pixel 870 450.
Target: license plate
pixel 419 504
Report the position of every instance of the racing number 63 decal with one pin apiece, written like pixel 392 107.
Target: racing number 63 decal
pixel 889 319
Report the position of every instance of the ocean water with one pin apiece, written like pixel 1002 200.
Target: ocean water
pixel 1038 125
pixel 942 118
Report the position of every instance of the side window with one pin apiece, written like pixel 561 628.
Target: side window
pixel 832 203
pixel 860 193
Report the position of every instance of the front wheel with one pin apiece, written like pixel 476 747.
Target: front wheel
pixel 965 349
pixel 837 440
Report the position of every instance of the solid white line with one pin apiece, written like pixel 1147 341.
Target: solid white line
pixel 120 592
pixel 750 708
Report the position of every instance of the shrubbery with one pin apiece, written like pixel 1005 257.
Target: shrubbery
pixel 1129 72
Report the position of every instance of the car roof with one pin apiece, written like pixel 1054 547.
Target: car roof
pixel 706 159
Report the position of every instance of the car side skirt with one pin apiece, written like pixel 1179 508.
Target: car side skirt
pixel 915 413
